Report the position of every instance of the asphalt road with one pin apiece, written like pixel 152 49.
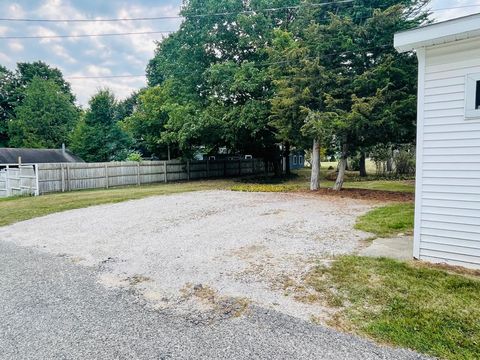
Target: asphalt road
pixel 53 309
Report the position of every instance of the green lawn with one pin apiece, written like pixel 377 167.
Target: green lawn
pixel 403 304
pixel 389 220
pixel 24 208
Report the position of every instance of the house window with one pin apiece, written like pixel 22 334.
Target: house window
pixel 300 160
pixel 294 159
pixel 472 97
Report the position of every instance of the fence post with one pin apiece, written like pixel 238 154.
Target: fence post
pixel 165 171
pixel 208 168
pixel 37 182
pixel 7 181
pixel 62 176
pixel 69 185
pixel 253 166
pixel 138 174
pixel 107 180
pixel 240 167
pixel 188 169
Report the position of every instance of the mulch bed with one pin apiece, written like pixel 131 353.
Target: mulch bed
pixel 364 194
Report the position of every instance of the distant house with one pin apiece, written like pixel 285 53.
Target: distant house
pixel 37 156
pixel 296 159
pixel 447 205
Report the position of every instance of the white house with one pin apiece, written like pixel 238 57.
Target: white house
pixel 447 209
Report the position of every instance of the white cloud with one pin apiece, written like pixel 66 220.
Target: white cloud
pixel 59 50
pixel 4 58
pixel 43 31
pixel 122 88
pixel 94 70
pixel 15 46
pixel 4 30
pixel 16 11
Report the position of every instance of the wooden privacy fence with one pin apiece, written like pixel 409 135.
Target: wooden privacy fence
pixel 77 176
pixel 17 180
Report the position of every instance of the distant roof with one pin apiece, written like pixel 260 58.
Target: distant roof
pixel 461 28
pixel 34 156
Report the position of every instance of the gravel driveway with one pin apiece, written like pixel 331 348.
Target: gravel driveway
pixel 202 252
pixel 52 309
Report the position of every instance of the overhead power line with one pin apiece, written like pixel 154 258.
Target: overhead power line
pixel 258 64
pixel 171 17
pixel 293 7
pixel 85 35
pixel 103 77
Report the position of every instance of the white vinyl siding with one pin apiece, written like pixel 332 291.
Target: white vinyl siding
pixel 449 196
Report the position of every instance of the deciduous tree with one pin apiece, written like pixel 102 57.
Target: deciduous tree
pixel 45 117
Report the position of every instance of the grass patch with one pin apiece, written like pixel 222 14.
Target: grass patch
pixel 425 309
pixel 18 209
pixel 265 187
pixel 384 185
pixel 389 220
pixel 303 179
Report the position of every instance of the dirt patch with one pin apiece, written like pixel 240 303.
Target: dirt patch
pixel 364 194
pixel 217 306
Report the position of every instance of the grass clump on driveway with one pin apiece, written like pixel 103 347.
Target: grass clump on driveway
pixel 265 187
pixel 388 220
pixel 18 209
pixel 403 304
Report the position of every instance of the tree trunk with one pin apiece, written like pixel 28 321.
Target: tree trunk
pixel 315 177
pixel 286 157
pixel 363 165
pixel 277 168
pixel 390 162
pixel 389 165
pixel 342 165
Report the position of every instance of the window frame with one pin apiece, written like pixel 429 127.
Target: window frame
pixel 471 97
pixel 294 159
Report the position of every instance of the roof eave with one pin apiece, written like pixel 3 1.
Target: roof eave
pixel 437 34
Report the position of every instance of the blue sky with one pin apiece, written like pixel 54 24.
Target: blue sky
pixel 110 55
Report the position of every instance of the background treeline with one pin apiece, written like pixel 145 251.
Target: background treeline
pixel 320 77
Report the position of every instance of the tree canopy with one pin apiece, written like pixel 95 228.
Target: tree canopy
pixel 98 136
pixel 45 117
pixel 253 78
pixel 14 86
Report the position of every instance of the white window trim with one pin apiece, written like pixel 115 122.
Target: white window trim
pixel 470 97
pixel 294 159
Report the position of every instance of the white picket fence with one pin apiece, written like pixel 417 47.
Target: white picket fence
pixel 18 180
pixel 78 176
